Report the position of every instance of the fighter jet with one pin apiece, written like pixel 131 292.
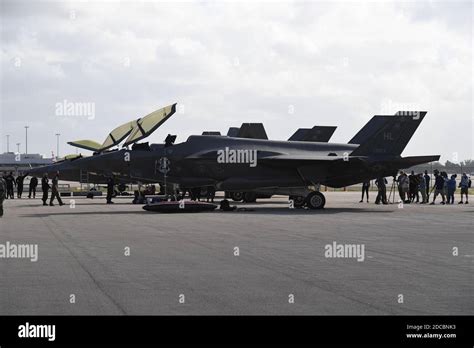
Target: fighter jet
pixel 73 167
pixel 292 168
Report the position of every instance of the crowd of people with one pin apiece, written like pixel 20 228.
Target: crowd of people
pixel 417 188
pixel 9 183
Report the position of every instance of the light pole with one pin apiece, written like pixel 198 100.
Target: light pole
pixel 18 147
pixel 57 145
pixel 8 142
pixel 26 139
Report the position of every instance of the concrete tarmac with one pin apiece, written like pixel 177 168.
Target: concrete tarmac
pixel 408 267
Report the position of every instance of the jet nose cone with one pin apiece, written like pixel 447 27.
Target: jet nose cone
pixel 40 171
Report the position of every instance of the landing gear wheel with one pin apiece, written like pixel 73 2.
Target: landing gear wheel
pixel 315 200
pixel 298 201
pixel 237 196
pixel 250 197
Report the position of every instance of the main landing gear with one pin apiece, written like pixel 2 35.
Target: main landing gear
pixel 314 200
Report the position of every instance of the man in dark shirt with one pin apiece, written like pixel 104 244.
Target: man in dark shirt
pixel 382 190
pixel 45 187
pixel 33 185
pixel 55 191
pixel 19 184
pixel 413 187
pixel 110 189
pixel 365 190
pixel 10 182
pixel 3 193
pixel 438 187
pixel 427 184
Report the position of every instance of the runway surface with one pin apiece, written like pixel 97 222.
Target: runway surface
pixel 81 251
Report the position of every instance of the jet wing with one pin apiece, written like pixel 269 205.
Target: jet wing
pixel 309 158
pixel 317 165
pixel 148 124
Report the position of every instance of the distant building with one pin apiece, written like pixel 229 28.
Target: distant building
pixel 16 162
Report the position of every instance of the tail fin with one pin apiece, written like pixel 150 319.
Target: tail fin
pixel 320 134
pixel 369 129
pixel 393 136
pixel 252 131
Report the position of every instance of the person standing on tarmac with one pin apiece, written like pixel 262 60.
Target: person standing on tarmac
pixel 55 191
pixel 403 186
pixel 382 190
pixel 10 182
pixel 438 187
pixel 45 188
pixel 3 193
pixel 211 194
pixel 32 188
pixel 110 189
pixel 20 179
pixel 365 190
pixel 422 188
pixel 427 185
pixel 413 188
pixel 464 185
pixel 451 187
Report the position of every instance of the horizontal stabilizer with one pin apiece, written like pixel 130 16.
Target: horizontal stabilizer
pixel 320 134
pixel 407 162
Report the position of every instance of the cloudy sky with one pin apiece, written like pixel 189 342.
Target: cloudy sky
pixel 286 64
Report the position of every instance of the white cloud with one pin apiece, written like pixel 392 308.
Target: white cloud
pixel 227 63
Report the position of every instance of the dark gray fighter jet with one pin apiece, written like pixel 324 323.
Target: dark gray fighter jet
pixel 292 168
pixel 72 169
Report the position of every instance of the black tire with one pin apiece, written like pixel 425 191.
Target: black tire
pixel 298 201
pixel 237 196
pixel 250 197
pixel 315 200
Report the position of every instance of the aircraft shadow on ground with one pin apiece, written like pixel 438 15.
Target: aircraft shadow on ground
pixel 71 213
pixel 253 211
pixel 296 211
